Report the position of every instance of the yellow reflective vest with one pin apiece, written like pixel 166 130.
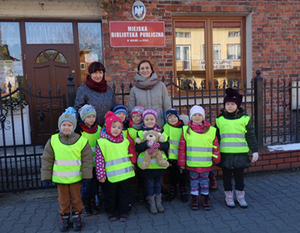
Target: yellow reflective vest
pixel 118 166
pixel 153 162
pixel 92 139
pixel 174 135
pixel 199 147
pixel 232 134
pixel 67 163
pixel 133 133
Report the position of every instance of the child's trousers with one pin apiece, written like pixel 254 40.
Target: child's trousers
pixel 197 179
pixel 175 175
pixel 238 178
pixel 69 195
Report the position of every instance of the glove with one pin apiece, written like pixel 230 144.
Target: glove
pixel 46 183
pixel 85 182
pixel 156 145
pixel 150 143
pixel 254 157
pixel 151 151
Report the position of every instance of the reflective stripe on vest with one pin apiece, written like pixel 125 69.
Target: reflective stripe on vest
pixel 199 147
pixel 233 142
pixel 118 166
pixel 92 139
pixel 174 135
pixel 153 162
pixel 67 163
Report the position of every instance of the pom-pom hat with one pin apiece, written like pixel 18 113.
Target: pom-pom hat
pixel 233 95
pixel 110 117
pixel 197 109
pixel 86 110
pixel 68 115
pixel 172 111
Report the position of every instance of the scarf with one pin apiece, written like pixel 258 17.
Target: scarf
pixel 146 83
pixel 135 126
pixel 87 129
pixel 156 128
pixel 100 87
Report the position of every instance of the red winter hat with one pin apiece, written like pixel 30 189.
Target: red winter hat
pixel 110 117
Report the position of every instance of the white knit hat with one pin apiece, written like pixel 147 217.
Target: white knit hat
pixel 197 109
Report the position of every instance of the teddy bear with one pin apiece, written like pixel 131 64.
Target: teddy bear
pixel 152 136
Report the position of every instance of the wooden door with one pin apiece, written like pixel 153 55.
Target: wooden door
pixel 48 66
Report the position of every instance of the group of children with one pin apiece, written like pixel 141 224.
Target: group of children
pixel 68 158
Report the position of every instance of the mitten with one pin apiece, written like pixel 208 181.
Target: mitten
pixel 46 183
pixel 156 145
pixel 150 143
pixel 151 151
pixel 254 157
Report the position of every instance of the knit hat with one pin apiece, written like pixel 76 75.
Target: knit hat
pixel 110 117
pixel 150 111
pixel 172 111
pixel 68 115
pixel 120 108
pixel 137 109
pixel 86 110
pixel 233 95
pixel 197 109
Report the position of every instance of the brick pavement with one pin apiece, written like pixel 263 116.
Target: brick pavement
pixel 273 198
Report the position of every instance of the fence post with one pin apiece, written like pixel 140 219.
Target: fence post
pixel 258 108
pixel 70 91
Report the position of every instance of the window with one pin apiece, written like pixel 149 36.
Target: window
pixel 214 51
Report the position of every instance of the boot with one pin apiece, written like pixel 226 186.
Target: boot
pixel 183 195
pixel 94 209
pixel 77 225
pixel 86 207
pixel 151 202
pixel 229 199
pixel 64 222
pixel 205 202
pixel 194 203
pixel 213 182
pixel 123 217
pixel 159 206
pixel 240 197
pixel 172 193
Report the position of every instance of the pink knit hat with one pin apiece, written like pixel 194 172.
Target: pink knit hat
pixel 150 111
pixel 110 117
pixel 137 109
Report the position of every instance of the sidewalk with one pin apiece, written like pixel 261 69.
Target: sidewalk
pixel 273 199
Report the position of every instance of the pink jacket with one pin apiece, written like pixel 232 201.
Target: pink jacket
pixel 182 149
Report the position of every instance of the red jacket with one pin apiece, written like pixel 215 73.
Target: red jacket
pixel 182 149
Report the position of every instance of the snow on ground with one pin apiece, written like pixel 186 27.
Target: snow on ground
pixel 287 147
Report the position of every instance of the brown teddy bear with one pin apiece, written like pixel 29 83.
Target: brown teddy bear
pixel 153 136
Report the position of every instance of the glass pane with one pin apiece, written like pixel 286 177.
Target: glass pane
pixel 61 58
pixel 41 58
pixel 51 54
pixel 49 33
pixel 90 45
pixel 227 52
pixel 190 53
pixel 10 55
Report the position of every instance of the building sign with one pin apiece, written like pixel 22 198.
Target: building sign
pixel 138 10
pixel 218 64
pixel 137 34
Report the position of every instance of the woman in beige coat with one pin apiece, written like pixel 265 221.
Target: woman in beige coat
pixel 149 92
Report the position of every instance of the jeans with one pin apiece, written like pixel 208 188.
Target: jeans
pixel 153 185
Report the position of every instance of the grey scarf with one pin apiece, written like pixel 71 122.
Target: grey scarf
pixel 146 83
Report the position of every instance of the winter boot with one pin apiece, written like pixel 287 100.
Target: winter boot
pixel 94 209
pixel 229 199
pixel 112 217
pixel 77 225
pixel 172 194
pixel 123 217
pixel 159 206
pixel 183 195
pixel 213 182
pixel 151 202
pixel 240 197
pixel 205 202
pixel 64 222
pixel 194 203
pixel 86 207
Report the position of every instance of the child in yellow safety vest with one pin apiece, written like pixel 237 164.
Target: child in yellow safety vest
pixel 173 129
pixel 153 174
pixel 114 168
pixel 236 136
pixel 67 159
pixel 198 150
pixel 91 131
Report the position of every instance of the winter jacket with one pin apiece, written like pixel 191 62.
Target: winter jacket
pixel 202 129
pixel 48 157
pixel 157 98
pixel 102 102
pixel 238 160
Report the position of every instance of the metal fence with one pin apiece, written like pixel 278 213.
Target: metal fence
pixel 272 104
